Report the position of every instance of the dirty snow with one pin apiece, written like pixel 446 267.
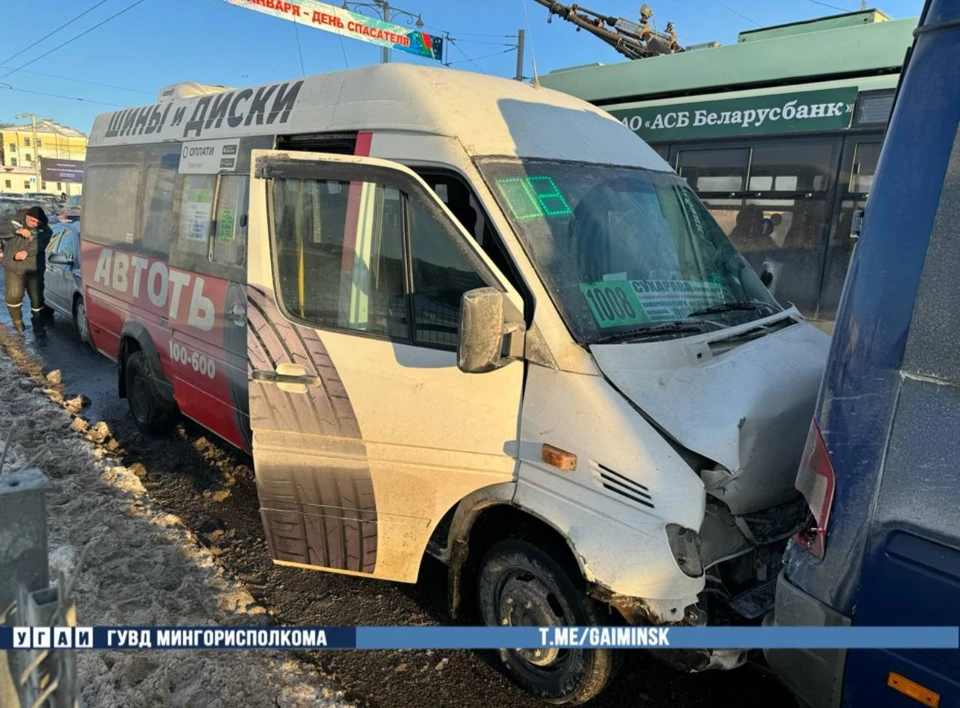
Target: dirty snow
pixel 143 567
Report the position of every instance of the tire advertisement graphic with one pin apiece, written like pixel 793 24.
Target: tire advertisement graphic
pixel 235 345
pixel 312 515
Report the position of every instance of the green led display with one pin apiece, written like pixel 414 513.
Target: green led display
pixel 530 197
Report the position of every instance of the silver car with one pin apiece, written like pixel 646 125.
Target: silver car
pixel 63 289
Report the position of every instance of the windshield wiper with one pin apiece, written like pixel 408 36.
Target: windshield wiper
pixel 635 335
pixel 735 306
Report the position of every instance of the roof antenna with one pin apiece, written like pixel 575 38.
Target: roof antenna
pixel 533 53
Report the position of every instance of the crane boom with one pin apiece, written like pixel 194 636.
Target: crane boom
pixel 634 40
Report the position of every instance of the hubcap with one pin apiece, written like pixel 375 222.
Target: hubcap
pixel 526 601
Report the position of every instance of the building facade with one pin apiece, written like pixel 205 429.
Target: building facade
pixel 21 148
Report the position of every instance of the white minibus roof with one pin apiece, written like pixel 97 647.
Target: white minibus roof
pixel 488 115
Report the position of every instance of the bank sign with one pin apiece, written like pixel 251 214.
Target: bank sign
pixel 351 25
pixel 825 109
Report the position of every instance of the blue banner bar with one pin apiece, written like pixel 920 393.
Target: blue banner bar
pixel 479 637
pixel 659 637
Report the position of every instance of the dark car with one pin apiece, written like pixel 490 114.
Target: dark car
pixel 71 210
pixel 63 289
pixel 879 474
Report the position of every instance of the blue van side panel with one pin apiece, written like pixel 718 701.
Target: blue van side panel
pixel 909 581
pixel 861 385
pixel 911 572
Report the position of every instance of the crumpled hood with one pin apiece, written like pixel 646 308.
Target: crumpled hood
pixel 746 405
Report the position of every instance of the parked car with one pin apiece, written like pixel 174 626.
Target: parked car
pixel 42 196
pixel 8 206
pixel 63 289
pixel 880 467
pixel 71 210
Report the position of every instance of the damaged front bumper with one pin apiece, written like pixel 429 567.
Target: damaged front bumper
pixel 637 611
pixel 740 556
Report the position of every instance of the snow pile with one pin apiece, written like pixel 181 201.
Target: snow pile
pixel 142 568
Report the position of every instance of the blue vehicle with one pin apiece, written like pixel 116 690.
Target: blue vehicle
pixel 881 470
pixel 63 288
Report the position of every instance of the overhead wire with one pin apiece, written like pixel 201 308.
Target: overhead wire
pixel 475 34
pixel 533 52
pixel 832 7
pixel 474 60
pixel 493 44
pixel 81 81
pixel 65 24
pixel 296 31
pixel 451 41
pixel 8 87
pixel 343 50
pixel 74 38
pixel 737 13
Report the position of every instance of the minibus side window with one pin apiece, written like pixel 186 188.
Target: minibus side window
pixel 339 254
pixel 464 205
pixel 230 236
pixel 441 275
pixel 159 193
pixel 196 213
pixel 110 207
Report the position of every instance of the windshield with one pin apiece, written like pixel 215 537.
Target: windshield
pixel 624 249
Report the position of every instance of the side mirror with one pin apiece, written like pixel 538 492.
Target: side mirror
pixel 59 259
pixel 491 331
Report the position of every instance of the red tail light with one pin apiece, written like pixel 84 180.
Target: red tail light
pixel 815 481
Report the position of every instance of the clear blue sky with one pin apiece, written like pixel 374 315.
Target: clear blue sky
pixel 160 42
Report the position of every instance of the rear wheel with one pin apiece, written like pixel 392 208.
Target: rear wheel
pixel 150 411
pixel 80 321
pixel 521 585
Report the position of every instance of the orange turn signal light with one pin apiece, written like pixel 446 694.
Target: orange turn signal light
pixel 913 689
pixel 555 457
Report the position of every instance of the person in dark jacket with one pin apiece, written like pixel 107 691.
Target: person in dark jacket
pixel 24 262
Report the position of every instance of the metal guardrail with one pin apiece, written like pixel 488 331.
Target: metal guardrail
pixel 39 678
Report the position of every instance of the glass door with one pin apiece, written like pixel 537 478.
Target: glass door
pixel 772 198
pixel 860 155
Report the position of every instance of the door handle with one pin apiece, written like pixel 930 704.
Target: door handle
pixel 291 378
pixel 237 315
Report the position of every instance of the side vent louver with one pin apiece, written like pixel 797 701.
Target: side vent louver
pixel 618 484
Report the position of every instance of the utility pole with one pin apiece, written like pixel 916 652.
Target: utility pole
pixel 520 40
pixel 387 14
pixel 36 153
pixel 385 51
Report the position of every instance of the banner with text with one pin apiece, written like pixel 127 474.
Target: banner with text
pixel 391 638
pixel 351 25
pixel 825 109
pixel 53 169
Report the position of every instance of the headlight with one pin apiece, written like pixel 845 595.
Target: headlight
pixel 685 547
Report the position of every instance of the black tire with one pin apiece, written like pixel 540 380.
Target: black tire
pixel 80 322
pixel 150 411
pixel 516 570
pixel 342 534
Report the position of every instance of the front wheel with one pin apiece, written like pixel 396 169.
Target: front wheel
pixel 150 411
pixel 521 585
